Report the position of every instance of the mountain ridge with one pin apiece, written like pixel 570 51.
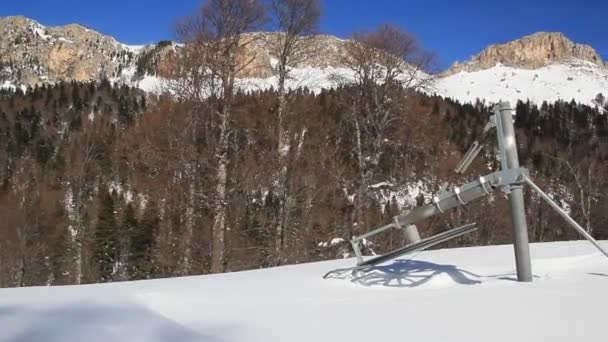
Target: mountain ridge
pixel 546 62
pixel 530 52
pixel 34 54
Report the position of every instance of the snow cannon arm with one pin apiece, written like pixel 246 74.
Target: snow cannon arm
pixel 475 148
pixel 449 199
pixel 461 196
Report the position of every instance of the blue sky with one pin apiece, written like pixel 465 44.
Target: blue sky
pixel 455 30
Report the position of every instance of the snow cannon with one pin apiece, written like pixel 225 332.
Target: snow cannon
pixel 509 179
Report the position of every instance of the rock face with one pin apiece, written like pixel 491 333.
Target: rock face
pixel 531 52
pixel 31 53
pixel 323 51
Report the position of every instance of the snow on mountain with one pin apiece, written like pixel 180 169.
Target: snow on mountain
pixel 545 66
pixel 133 48
pixel 313 78
pixel 570 80
pixel 578 80
pixel 540 67
pixel 466 294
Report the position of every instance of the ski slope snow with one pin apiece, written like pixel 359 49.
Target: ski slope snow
pixel 466 294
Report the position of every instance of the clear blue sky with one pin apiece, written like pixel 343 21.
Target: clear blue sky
pixel 455 30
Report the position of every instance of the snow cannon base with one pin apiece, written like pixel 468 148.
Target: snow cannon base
pixel 411 248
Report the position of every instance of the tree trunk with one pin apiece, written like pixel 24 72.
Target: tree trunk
pixel 186 260
pixel 77 236
pixel 78 262
pixel 283 153
pixel 219 224
pixel 362 188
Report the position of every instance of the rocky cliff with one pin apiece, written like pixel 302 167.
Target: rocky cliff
pixel 31 53
pixel 531 52
pixel 323 51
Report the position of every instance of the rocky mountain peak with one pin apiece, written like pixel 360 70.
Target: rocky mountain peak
pixel 531 52
pixel 31 53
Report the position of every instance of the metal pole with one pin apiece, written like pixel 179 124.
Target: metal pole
pixel 516 196
pixel 411 233
pixel 566 217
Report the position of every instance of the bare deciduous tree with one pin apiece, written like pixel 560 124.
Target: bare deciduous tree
pixel 387 65
pixel 212 58
pixel 296 22
pixel 586 183
pixel 84 148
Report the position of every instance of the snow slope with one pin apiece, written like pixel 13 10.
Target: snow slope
pixel 577 80
pixel 457 295
pixel 312 78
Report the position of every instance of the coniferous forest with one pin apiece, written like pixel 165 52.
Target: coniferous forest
pixel 101 183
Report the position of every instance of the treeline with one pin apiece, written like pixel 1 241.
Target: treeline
pixel 55 145
pixel 97 186
pixel 100 187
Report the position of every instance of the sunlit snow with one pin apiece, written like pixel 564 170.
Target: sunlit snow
pixel 466 294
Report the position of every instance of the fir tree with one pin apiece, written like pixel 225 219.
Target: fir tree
pixel 141 238
pixel 106 240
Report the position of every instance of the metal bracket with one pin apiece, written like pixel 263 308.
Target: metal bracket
pixel 436 202
pixel 457 193
pixel 484 184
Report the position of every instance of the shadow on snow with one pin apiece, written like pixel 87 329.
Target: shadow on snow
pixel 414 273
pixel 90 321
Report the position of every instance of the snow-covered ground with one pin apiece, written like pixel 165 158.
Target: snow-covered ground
pixel 464 294
pixel 577 80
pixel 314 79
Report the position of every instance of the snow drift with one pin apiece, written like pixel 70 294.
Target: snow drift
pixel 466 294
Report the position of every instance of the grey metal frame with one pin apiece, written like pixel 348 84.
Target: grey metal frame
pixel 510 179
pixel 510 161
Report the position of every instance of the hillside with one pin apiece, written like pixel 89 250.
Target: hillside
pixel 570 80
pixel 454 294
pixel 545 66
pixel 539 67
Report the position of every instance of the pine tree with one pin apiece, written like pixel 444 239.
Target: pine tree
pixel 106 240
pixel 125 113
pixel 141 237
